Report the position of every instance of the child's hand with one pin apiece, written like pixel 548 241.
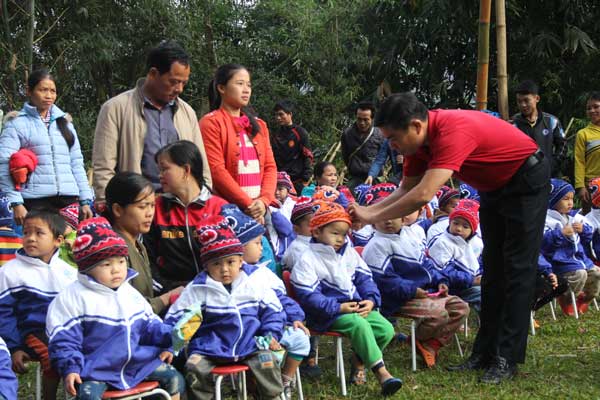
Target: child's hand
pixel 443 289
pixel 365 307
pixel 477 280
pixel 578 227
pixel 349 307
pixel 568 231
pixel 420 293
pixel 274 345
pixel 70 381
pixel 300 325
pixel 166 357
pixel 19 358
pixel 553 280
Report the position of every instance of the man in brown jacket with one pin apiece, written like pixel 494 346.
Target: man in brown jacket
pixel 134 125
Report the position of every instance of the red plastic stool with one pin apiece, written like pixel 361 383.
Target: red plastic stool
pixel 225 370
pixel 144 389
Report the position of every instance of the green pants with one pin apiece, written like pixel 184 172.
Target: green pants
pixel 368 335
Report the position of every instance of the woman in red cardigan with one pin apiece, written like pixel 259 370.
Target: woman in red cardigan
pixel 237 144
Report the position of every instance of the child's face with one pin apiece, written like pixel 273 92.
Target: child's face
pixel 225 269
pixel 460 227
pixel 332 234
pixel 281 193
pixel 565 204
pixel 110 272
pixel 389 226
pixel 38 239
pixel 451 205
pixel 253 250
pixel 329 177
pixel 302 227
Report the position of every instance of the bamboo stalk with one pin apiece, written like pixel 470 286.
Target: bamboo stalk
pixel 483 53
pixel 501 71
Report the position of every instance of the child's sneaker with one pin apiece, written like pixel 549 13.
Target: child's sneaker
pixel 289 387
pixel 311 371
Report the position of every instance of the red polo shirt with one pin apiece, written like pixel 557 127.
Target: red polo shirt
pixel 482 150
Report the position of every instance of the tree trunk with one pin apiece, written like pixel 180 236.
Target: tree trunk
pixel 30 38
pixel 502 74
pixel 483 53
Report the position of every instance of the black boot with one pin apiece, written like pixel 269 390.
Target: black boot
pixel 474 362
pixel 498 371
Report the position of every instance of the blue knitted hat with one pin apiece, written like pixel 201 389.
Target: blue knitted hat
pixel 245 227
pixel 6 215
pixel 360 191
pixel 558 190
pixel 468 192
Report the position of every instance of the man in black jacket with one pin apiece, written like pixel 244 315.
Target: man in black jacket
pixel 542 127
pixel 360 144
pixel 291 147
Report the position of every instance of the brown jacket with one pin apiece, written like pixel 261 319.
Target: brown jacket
pixel 120 133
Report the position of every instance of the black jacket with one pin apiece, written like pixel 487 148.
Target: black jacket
pixel 361 162
pixel 288 154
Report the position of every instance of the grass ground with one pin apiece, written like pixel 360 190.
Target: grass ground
pixel 563 362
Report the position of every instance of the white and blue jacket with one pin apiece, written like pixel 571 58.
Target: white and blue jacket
pixel 60 170
pixel 8 380
pixel 457 259
pixel 230 321
pixel 105 335
pixel 294 252
pixel 281 232
pixel 566 254
pixel 362 236
pixel 593 219
pixel 323 279
pixel 27 286
pixel 399 266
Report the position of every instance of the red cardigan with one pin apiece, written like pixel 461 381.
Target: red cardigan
pixel 221 138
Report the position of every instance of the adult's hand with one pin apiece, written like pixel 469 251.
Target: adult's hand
pixel 19 213
pixel 369 180
pixel 85 212
pixel 361 213
pixel 256 209
pixel 584 194
pixel 19 358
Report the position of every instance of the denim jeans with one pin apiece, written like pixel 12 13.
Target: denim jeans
pixel 167 376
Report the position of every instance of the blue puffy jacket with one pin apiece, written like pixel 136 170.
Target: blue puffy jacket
pixel 105 335
pixel 230 321
pixel 60 170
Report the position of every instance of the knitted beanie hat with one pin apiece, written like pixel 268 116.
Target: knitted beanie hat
pixel 96 241
pixel 21 164
pixel 326 213
pixel 378 192
pixel 359 192
pixel 324 195
pixel 594 187
pixel 468 192
pixel 244 227
pixel 345 190
pixel 469 210
pixel 558 190
pixel 283 179
pixel 70 214
pixel 6 215
pixel 303 206
pixel 445 194
pixel 217 240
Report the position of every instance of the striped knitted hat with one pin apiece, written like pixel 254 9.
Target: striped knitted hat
pixel 326 213
pixel 445 194
pixel 303 206
pixel 70 214
pixel 558 190
pixel 378 192
pixel 217 240
pixel 96 241
pixel 283 179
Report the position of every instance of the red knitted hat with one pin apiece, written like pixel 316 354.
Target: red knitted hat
pixel 445 194
pixel 96 241
pixel 378 192
pixel 70 214
pixel 217 240
pixel 326 212
pixel 303 206
pixel 469 210
pixel 345 190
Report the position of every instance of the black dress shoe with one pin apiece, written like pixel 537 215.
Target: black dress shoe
pixel 473 363
pixel 498 371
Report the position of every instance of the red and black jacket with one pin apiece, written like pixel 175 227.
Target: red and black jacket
pixel 172 238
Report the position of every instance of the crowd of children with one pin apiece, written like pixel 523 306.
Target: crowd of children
pixel 67 297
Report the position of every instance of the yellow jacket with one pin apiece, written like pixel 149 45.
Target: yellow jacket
pixel 587 155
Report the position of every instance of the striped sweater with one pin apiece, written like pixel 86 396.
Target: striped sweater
pixel 10 242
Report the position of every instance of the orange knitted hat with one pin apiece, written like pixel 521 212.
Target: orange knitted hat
pixel 326 212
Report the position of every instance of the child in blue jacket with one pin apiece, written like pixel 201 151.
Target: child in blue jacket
pixel 409 283
pixel 565 238
pixel 237 305
pixel 103 333
pixel 336 290
pixel 8 380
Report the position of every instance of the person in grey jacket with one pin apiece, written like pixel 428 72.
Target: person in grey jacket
pixel 59 178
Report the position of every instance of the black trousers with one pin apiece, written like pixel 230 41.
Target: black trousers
pixel 512 224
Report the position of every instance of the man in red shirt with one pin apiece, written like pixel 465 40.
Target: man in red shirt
pixel 512 177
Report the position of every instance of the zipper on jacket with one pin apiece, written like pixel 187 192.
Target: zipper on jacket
pixel 128 326
pixel 233 352
pixel 53 159
pixel 189 237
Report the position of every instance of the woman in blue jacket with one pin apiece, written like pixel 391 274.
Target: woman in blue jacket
pixel 59 178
